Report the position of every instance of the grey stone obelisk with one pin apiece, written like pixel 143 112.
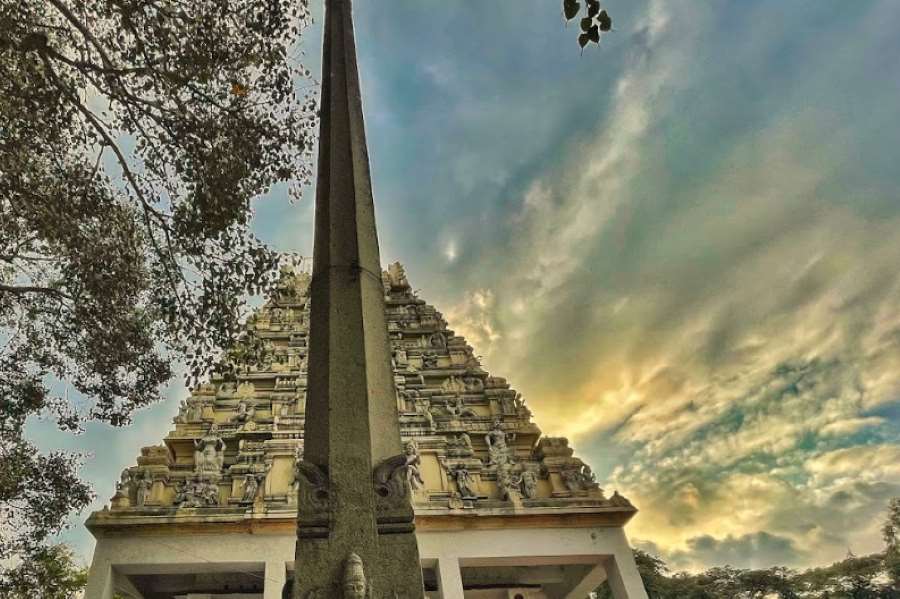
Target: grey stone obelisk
pixel 355 532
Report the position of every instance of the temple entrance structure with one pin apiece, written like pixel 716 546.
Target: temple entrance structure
pixel 500 510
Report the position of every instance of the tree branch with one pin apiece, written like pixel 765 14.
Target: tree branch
pixel 26 289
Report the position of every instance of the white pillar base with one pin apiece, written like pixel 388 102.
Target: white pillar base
pixel 449 578
pixel 275 578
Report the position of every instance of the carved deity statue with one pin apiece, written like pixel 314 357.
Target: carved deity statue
pixel 429 359
pixel 143 489
pixel 355 585
pixel 498 449
pixel 245 412
pixel 195 492
pixel 507 482
pixel 529 484
pixel 423 406
pixel 571 480
pixel 413 462
pixel 209 452
pixel 463 482
pixel 251 486
pixel 457 409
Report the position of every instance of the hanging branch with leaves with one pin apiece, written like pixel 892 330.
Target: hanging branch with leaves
pixel 594 22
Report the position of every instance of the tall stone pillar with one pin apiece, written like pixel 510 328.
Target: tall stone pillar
pixel 355 531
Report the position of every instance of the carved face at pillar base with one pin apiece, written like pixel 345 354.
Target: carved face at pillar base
pixel 355 590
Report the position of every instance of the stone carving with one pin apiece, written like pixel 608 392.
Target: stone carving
pixel 498 448
pixel 395 277
pixel 413 461
pixel 460 446
pixel 473 384
pixel 124 486
pixel 197 492
pixel 463 481
pixel 577 479
pixel 354 584
pixel 444 394
pixel 507 482
pixel 142 491
pixel 314 496
pixel 188 411
pixel 553 447
pixel 423 406
pixel 245 412
pixel 453 385
pixel 619 501
pixel 251 486
pixel 457 409
pixel 529 484
pixel 438 341
pixel 429 359
pixel 392 490
pixel 571 480
pixel 209 452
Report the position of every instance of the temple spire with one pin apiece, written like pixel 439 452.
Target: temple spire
pixel 355 534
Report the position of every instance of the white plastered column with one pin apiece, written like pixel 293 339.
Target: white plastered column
pixel 449 578
pixel 100 577
pixel 606 549
pixel 624 579
pixel 275 578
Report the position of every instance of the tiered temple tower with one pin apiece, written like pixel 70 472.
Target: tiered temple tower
pixel 500 510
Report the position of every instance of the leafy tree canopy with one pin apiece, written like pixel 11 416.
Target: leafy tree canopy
pixel 49 573
pixel 133 136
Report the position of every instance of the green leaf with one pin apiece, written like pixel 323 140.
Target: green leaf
pixel 571 8
pixel 594 34
pixel 604 20
pixel 586 23
pixel 583 40
pixel 593 7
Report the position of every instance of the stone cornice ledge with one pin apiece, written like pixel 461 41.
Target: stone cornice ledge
pixel 166 521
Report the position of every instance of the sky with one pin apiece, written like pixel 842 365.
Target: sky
pixel 682 247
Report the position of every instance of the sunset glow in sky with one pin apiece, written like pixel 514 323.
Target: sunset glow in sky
pixel 682 247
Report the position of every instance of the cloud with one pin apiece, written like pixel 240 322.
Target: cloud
pixel 719 332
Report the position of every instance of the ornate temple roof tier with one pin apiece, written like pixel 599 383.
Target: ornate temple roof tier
pixel 477 464
pixel 476 449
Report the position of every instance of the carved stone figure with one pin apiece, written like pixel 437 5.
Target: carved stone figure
pixel 251 486
pixel 437 340
pixel 460 446
pixel 507 482
pixel 457 409
pixel 209 452
pixel 143 489
pixel 355 585
pixel 463 482
pixel 210 493
pixel 507 404
pixel 529 484
pixel 245 412
pixel 423 406
pixel 453 385
pixel 195 492
pixel 429 360
pixel 413 461
pixel 473 384
pixel 124 486
pixel 498 449
pixel 578 478
pixel 400 357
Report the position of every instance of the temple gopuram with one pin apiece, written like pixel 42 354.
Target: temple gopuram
pixel 501 511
